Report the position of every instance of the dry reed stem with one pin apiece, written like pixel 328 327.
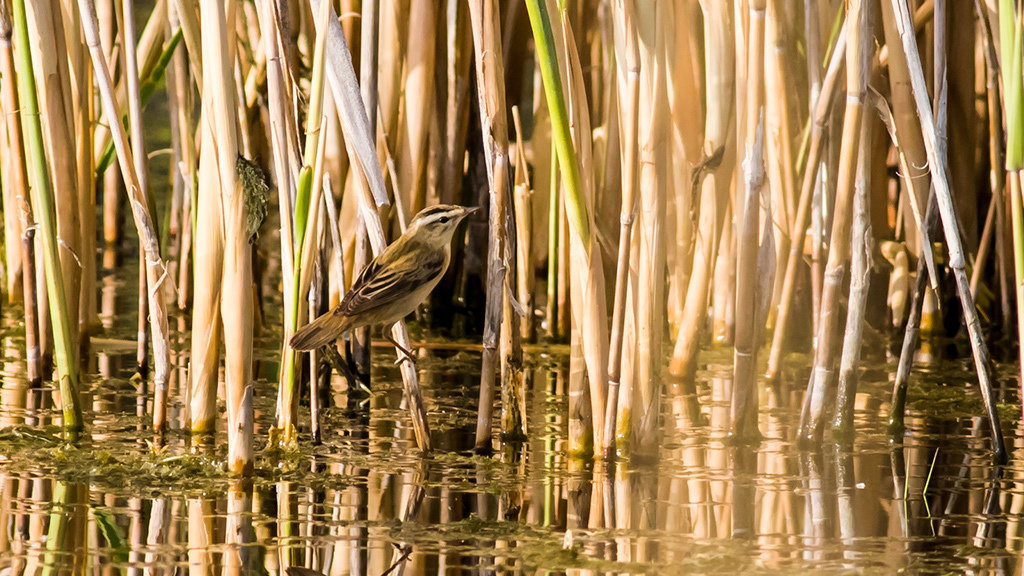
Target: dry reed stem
pixel 860 279
pixel 589 309
pixel 720 59
pixel 797 236
pixel 19 222
pixel 494 126
pixel 43 199
pixel 744 391
pixel 138 150
pixel 910 335
pixel 650 302
pixel 209 251
pixel 859 50
pixel 235 292
pixel 907 126
pixel 53 83
pixel 81 121
pixel 523 198
pixel 369 46
pixel 418 101
pixel 950 225
pixel 155 271
pixel 627 55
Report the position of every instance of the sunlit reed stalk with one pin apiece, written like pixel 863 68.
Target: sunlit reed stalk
pixel 859 51
pixel 418 101
pixel 368 45
pixel 235 294
pixel 650 233
pixel 860 278
pixel 16 199
pixel 712 179
pixel 939 170
pixel 53 84
pixel 82 123
pixel 744 391
pixel 140 207
pixel 907 126
pixel 795 239
pixel 65 353
pixel 484 16
pixel 573 141
pixel 305 220
pixel 358 142
pixel 627 56
pixel 554 223
pixel 523 199
pixel 138 147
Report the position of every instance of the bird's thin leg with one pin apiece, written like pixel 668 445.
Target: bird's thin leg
pixel 405 351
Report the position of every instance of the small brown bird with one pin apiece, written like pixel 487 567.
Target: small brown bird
pixel 397 280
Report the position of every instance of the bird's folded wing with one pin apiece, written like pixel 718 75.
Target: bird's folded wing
pixel 385 282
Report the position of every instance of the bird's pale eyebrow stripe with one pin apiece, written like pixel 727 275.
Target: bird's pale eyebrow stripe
pixel 433 210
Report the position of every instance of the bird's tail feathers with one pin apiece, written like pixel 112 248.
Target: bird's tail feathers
pixel 319 332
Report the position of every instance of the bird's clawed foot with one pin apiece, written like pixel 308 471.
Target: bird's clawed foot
pixel 406 354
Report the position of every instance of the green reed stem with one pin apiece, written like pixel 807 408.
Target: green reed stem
pixel 45 210
pixel 554 91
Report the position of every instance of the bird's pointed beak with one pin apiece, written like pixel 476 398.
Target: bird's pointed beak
pixel 469 210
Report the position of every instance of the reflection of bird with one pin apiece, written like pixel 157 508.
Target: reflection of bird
pixel 397 280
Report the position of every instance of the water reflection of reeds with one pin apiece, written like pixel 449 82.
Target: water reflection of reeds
pixel 362 506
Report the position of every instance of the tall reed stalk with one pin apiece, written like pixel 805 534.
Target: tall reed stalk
pixel 587 270
pixel 16 199
pixel 859 50
pixel 944 199
pixel 744 391
pixel 65 353
pixel 627 60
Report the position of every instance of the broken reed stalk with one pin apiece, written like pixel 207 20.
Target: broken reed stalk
pixel 66 355
pixel 16 198
pixel 140 208
pixel 859 50
pixel 484 17
pixel 744 389
pixel 370 185
pixel 795 239
pixel 860 278
pixel 944 199
pixel 627 59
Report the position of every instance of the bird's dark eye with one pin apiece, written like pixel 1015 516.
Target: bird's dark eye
pixel 443 219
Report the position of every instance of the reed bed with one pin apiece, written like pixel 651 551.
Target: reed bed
pixel 660 179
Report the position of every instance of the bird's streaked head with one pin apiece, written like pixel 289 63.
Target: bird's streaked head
pixel 437 224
